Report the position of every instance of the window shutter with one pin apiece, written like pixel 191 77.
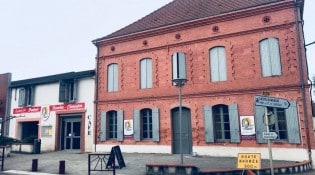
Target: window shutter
pixel 155 125
pixel 260 126
pixel 149 73
pixel 103 126
pixel 222 64
pixel 62 91
pixel 115 78
pixel 75 90
pixel 293 123
pixel 22 97
pixel 234 124
pixel 214 64
pixel 136 125
pixel 265 58
pixel 143 74
pixel 275 56
pixel 120 124
pixel 32 91
pixel 208 123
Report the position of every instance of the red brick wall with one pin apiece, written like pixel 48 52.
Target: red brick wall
pixel 240 37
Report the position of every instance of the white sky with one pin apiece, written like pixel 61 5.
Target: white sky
pixel 42 37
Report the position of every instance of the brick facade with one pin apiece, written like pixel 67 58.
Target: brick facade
pixel 240 33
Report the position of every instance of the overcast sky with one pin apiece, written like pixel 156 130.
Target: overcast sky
pixel 46 37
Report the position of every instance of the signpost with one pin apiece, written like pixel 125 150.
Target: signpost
pixel 274 102
pixel 270 135
pixel 271 102
pixel 248 161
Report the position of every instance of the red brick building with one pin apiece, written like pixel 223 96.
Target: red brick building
pixel 233 52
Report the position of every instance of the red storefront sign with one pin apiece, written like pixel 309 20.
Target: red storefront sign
pixel 62 107
pixel 27 109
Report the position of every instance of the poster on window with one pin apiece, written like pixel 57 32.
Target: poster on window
pixel 128 128
pixel 248 128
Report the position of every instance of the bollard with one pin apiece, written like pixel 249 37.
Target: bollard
pixel 62 167
pixel 34 165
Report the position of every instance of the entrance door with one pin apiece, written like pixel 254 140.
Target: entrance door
pixel 185 140
pixel 72 133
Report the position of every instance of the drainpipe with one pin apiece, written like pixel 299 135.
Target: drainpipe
pixel 96 96
pixel 299 43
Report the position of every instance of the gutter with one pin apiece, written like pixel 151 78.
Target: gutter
pixel 297 3
pixel 96 97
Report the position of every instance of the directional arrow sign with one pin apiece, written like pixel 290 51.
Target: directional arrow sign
pixel 269 135
pixel 271 102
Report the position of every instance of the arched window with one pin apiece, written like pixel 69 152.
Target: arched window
pixel 218 64
pixel 221 123
pixel 270 57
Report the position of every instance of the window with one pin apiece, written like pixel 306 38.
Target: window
pixel 270 57
pixel 112 78
pixel 26 96
pixel 146 73
pixel 221 123
pixel 146 124
pixel 68 90
pixel 218 64
pixel 286 123
pixel 112 125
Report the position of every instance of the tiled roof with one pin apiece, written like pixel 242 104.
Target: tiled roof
pixel 52 78
pixel 179 11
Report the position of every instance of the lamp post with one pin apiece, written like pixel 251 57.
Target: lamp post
pixel 180 83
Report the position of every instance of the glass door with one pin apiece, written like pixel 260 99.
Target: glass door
pixel 72 133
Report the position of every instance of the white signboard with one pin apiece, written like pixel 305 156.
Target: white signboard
pixel 271 102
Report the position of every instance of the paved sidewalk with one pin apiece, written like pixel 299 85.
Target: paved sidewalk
pixel 77 163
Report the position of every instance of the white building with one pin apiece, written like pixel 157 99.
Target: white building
pixel 57 110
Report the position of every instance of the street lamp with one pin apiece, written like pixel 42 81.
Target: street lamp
pixel 180 83
pixel 179 79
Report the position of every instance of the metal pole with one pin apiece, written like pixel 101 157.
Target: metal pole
pixel 180 123
pixel 269 143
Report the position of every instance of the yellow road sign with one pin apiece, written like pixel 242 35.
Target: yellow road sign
pixel 249 161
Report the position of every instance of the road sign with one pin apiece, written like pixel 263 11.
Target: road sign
pixel 271 102
pixel 248 161
pixel 269 135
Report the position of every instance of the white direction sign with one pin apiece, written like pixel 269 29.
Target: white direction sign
pixel 269 135
pixel 271 102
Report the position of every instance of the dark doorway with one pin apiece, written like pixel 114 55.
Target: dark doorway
pixel 186 138
pixel 70 133
pixel 29 131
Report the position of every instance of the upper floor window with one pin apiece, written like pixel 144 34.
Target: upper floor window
pixel 218 64
pixel 270 57
pixel 68 90
pixel 112 78
pixel 26 96
pixel 222 123
pixel 146 73
pixel 284 122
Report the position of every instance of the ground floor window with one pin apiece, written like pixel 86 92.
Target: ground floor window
pixel 28 131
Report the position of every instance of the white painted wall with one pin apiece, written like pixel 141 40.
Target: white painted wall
pixel 48 94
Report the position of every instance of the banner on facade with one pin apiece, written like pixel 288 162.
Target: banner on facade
pixel 26 110
pixel 71 106
pixel 248 131
pixel 128 127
